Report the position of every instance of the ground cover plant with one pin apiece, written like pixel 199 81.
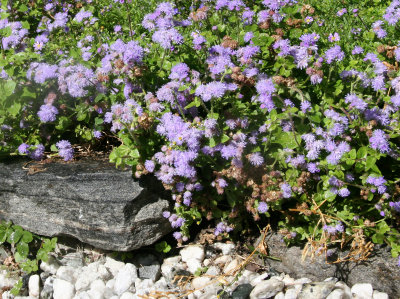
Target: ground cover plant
pixel 246 111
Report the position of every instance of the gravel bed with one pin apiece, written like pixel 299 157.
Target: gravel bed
pixel 198 271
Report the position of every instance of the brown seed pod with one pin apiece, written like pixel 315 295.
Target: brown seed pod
pixel 265 25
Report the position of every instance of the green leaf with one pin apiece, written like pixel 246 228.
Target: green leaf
pixel 362 152
pixel 163 247
pixel 212 142
pixel 23 249
pixel 370 163
pixel 27 237
pixel 14 109
pixel 15 236
pixel 7 88
pixel 287 140
pixel 23 8
pixel 224 138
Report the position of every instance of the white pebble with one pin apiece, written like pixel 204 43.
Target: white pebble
pixel 33 285
pixel 267 289
pixel 231 267
pixel 380 295
pixel 128 295
pixel 51 266
pixel 63 289
pixel 113 265
pixel 337 294
pixel 362 291
pixel 192 252
pixel 200 282
pixel 124 279
pixel 193 265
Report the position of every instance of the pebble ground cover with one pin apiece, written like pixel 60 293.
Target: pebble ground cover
pixel 247 111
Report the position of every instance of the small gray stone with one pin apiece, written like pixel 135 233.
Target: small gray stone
pixel 51 266
pixel 242 291
pixel 170 266
pixel 47 290
pixel 225 248
pixel 6 281
pixel 267 289
pixel 362 291
pixel 316 290
pixel 73 259
pixel 67 273
pixel 152 271
pixel 213 271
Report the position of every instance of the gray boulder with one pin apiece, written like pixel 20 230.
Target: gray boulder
pixel 86 199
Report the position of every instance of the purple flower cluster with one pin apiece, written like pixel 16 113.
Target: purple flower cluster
pixel 221 228
pixel 379 141
pixel 379 182
pixel 47 113
pixel 34 152
pixel 17 36
pixel 65 150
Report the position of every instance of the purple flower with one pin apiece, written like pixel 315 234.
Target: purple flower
pixel 341 12
pixel 256 159
pixel 329 229
pixel 167 38
pixel 65 150
pixel 248 36
pixel 308 19
pixel 221 228
pixel 222 183
pixel 357 50
pixel 97 134
pixel 47 113
pixel 262 207
pixel 177 235
pixel 166 214
pixel 305 106
pixel 23 149
pixel 37 152
pixel 343 192
pixel 334 37
pixel 376 27
pixel 379 141
pixel 211 90
pixel 149 165
pixel 378 182
pixel 355 102
pixel 339 227
pixel 334 53
pixel 179 72
pixel 286 190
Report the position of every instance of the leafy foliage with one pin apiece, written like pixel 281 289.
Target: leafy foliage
pixel 245 110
